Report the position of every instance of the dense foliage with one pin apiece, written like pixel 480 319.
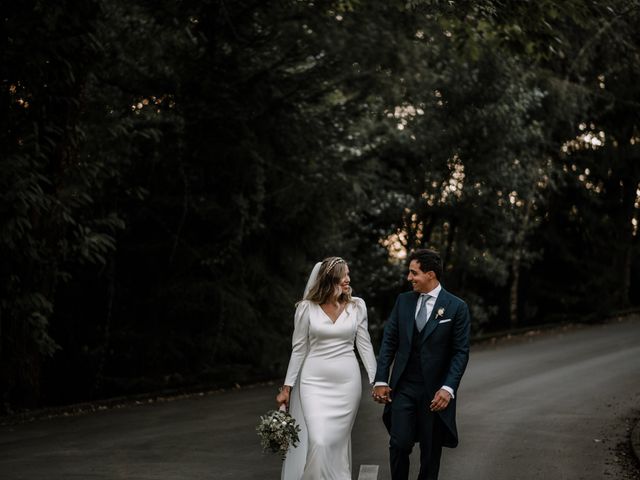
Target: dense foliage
pixel 172 170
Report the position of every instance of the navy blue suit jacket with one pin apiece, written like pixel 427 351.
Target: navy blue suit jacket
pixel 444 350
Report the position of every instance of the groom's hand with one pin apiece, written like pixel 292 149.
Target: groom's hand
pixel 440 400
pixel 381 394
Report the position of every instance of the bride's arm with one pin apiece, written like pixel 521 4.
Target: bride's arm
pixel 299 342
pixel 363 341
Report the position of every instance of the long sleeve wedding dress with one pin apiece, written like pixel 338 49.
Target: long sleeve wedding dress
pixel 327 387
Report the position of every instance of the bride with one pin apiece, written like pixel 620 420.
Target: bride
pixel 323 386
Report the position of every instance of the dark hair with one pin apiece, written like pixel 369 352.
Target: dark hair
pixel 428 260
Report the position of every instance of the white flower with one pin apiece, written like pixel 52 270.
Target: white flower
pixel 440 312
pixel 277 430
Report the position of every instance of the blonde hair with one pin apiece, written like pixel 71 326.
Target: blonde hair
pixel 327 286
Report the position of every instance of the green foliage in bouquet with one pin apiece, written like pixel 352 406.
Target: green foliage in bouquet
pixel 277 430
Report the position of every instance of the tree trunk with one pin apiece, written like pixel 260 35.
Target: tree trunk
pixel 513 293
pixel 515 267
pixel 628 181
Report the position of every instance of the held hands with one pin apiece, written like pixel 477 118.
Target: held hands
pixel 381 394
pixel 283 397
pixel 440 400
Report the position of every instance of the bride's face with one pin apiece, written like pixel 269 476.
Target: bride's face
pixel 345 281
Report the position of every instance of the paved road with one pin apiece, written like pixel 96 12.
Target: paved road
pixel 548 406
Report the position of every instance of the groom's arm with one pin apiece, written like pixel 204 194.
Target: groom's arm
pixel 460 344
pixel 459 358
pixel 381 392
pixel 389 346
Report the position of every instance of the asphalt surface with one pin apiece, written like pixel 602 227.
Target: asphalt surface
pixel 554 405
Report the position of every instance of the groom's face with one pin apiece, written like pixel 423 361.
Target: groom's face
pixel 422 282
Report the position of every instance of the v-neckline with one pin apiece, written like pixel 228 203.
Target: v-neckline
pixel 333 322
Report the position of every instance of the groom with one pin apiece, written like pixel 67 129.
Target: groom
pixel 427 340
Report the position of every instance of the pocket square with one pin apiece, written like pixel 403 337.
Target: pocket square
pixel 445 320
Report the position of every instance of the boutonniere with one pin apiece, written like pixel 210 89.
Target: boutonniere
pixel 439 313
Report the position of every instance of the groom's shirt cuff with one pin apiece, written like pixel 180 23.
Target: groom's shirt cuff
pixel 444 387
pixel 449 389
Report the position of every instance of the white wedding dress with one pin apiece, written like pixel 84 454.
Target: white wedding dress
pixel 327 387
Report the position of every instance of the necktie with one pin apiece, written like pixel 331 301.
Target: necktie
pixel 421 318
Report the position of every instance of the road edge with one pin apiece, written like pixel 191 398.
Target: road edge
pixel 635 441
pixel 193 391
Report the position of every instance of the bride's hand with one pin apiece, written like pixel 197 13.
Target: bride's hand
pixel 283 396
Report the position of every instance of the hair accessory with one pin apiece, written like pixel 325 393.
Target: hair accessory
pixel 334 262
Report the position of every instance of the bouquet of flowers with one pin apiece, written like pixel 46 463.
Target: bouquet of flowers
pixel 277 430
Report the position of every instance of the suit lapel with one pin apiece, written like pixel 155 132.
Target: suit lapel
pixel 442 301
pixel 411 317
